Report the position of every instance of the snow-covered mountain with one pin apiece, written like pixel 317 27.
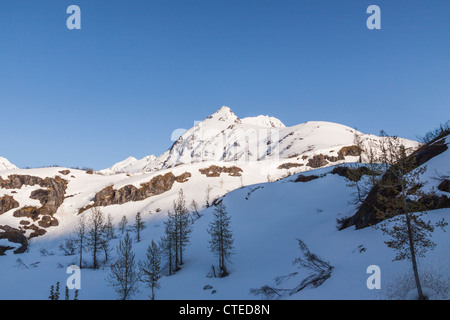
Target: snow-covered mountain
pixel 278 183
pixel 226 138
pixel 6 165
pixel 267 218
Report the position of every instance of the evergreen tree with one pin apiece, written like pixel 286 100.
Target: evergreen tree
pixel 54 293
pixel 221 243
pixel 139 225
pixel 67 294
pixel 168 243
pixel 151 268
pixel 194 208
pixel 123 224
pixel 109 228
pixel 183 225
pixel 124 276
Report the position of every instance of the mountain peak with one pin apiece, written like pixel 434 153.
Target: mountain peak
pixel 224 114
pixel 6 165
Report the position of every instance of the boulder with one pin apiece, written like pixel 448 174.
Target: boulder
pixel 7 203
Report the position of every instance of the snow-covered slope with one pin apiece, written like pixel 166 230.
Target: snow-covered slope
pixel 268 211
pixel 226 138
pixel 6 165
pixel 263 121
pixel 266 219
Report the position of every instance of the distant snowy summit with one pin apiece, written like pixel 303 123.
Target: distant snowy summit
pixel 6 165
pixel 224 137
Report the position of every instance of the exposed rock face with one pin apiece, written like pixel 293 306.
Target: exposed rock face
pixel 48 221
pixel 50 198
pixel 367 215
pixel 352 174
pixel 290 165
pixel 7 203
pixel 318 161
pixel 36 231
pixel 3 249
pixel 352 151
pixel 159 184
pixel 302 178
pixel 17 181
pixel 27 212
pixel 215 171
pixel 444 186
pixel 321 160
pixel 15 236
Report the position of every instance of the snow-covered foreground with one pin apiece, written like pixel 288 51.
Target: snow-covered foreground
pixel 266 220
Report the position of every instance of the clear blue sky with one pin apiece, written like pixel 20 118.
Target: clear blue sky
pixel 137 70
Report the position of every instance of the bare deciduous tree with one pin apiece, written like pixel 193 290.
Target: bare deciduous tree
pixel 124 277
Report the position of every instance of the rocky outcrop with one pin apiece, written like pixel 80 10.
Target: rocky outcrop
pixel 302 178
pixel 51 197
pixel 215 171
pixel 15 236
pixel 27 212
pixel 36 231
pixel 321 160
pixel 7 203
pixel 353 151
pixel 159 184
pixel 351 173
pixel 3 249
pixel 367 215
pixel 444 186
pixel 16 181
pixel 290 165
pixel 48 221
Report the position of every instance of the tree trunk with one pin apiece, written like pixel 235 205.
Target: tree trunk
pixel 413 259
pixel 81 253
pixel 411 244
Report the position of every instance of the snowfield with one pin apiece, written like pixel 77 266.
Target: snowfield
pixel 266 219
pixel 269 212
